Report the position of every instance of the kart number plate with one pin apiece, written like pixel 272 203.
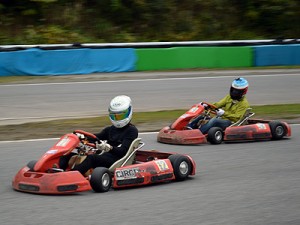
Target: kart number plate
pixel 162 165
pixel 63 142
pixel 261 126
pixel 194 109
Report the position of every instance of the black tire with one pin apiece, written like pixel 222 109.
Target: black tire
pixel 182 166
pixel 31 164
pixel 215 135
pixel 101 179
pixel 278 130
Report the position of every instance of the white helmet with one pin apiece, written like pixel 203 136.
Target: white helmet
pixel 120 111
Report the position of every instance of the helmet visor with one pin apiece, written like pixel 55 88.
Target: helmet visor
pixel 116 116
pixel 237 94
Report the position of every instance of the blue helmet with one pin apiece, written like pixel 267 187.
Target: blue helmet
pixel 239 88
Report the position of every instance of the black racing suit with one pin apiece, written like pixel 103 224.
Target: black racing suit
pixel 119 138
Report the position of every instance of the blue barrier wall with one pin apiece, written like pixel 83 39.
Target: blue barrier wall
pixel 35 61
pixel 277 55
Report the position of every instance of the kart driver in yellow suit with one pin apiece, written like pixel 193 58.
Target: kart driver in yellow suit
pixel 229 109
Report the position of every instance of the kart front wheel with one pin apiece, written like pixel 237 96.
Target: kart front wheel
pixel 215 135
pixel 31 164
pixel 101 179
pixel 278 130
pixel 181 165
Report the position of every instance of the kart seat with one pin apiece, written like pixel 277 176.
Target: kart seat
pixel 128 159
pixel 244 118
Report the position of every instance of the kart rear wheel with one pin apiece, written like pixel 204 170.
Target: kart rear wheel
pixel 101 179
pixel 181 165
pixel 31 164
pixel 278 130
pixel 215 135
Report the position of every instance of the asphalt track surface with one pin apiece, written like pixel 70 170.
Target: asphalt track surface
pixel 251 183
pixel 149 91
pixel 243 183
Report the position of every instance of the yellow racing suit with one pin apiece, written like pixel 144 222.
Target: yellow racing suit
pixel 234 109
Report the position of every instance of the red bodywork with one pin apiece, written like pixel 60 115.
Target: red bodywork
pixel 255 130
pixel 181 137
pixel 178 133
pixel 145 172
pixel 43 180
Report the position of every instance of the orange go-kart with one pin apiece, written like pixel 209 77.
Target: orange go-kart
pixel 245 129
pixel 138 167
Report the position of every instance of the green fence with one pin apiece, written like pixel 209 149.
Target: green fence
pixel 193 57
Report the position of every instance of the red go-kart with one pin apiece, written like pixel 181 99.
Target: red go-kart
pixel 245 129
pixel 138 167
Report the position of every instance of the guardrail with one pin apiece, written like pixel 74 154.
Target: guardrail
pixel 153 44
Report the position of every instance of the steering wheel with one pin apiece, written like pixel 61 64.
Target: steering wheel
pixel 206 114
pixel 211 108
pixel 86 134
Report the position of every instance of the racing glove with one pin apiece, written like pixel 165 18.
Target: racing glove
pixel 80 136
pixel 220 112
pixel 103 146
pixel 204 105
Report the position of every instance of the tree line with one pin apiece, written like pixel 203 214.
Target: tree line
pixel 109 21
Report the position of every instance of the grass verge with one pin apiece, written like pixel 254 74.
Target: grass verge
pixel 145 121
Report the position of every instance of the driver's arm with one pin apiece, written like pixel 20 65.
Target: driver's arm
pixel 102 135
pixel 222 102
pixel 235 112
pixel 129 136
pixel 235 115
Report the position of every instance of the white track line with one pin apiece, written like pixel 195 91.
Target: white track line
pixel 152 79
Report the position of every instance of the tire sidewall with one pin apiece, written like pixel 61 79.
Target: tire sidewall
pixel 274 125
pixel 176 161
pixel 212 133
pixel 96 179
